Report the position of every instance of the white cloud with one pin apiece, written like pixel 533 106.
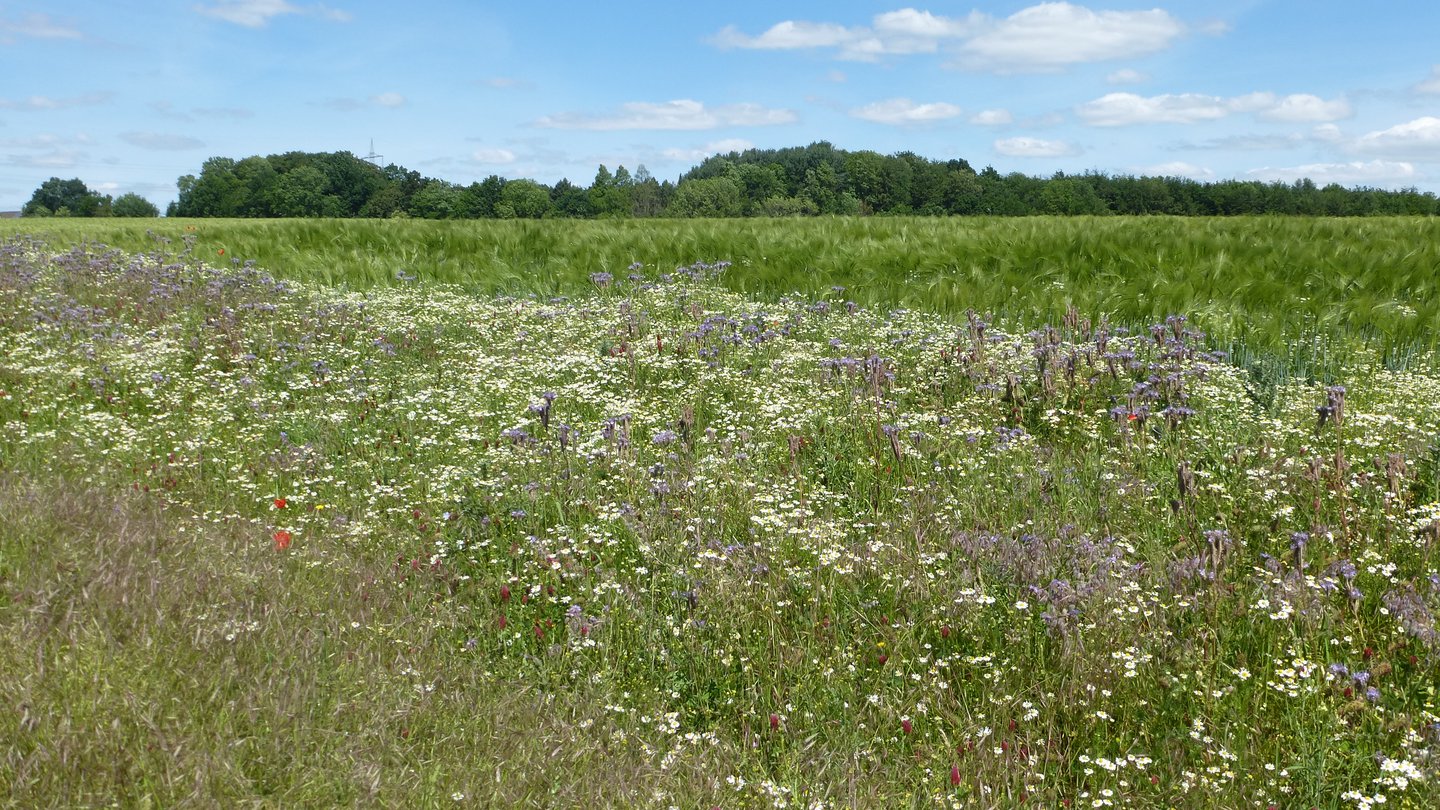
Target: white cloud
pixel 678 114
pixel 1033 147
pixel 258 13
pixel 1178 168
pixel 389 100
pixel 1126 76
pixel 836 76
pixel 1306 108
pixel 699 153
pixel 1043 37
pixel 1050 36
pixel 35 26
pixel 903 111
pixel 1373 172
pixel 922 24
pixel 905 31
pixel 1121 109
pixel 486 154
pixel 161 141
pixel 1430 86
pixel 1125 109
pixel 992 118
pixel 787 36
pixel 1416 140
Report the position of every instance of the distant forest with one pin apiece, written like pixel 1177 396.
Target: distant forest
pixel 800 181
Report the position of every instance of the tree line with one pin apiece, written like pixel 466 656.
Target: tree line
pixel 72 198
pixel 813 180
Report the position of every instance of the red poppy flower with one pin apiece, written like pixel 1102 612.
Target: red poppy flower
pixel 280 503
pixel 282 540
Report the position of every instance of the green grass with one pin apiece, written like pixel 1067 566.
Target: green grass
pixel 1261 282
pixel 303 544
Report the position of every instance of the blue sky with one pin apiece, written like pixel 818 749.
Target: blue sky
pixel 130 95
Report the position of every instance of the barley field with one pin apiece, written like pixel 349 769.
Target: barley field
pixel 837 513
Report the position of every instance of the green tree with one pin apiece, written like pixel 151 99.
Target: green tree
pixel 258 177
pixel 570 200
pixel 523 199
pixel 710 197
pixel 1070 196
pixel 56 197
pixel 647 199
pixel 436 200
pixel 300 192
pixel 610 194
pixel 133 205
pixel 217 192
pixel 385 202
pixel 758 183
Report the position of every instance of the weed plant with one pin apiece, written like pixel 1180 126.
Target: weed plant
pixel 662 543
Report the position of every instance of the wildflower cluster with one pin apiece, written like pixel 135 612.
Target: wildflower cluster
pixel 969 564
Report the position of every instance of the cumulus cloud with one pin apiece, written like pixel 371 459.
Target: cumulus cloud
pixel 1033 147
pixel 1306 108
pixel 258 13
pixel 1125 109
pixel 678 114
pixel 490 154
pixel 1050 36
pixel 161 141
pixel 1431 85
pixel 1121 109
pixel 1416 140
pixel 992 118
pixel 903 112
pixel 1373 172
pixel 907 22
pixel 35 26
pixel 1044 37
pixel 699 153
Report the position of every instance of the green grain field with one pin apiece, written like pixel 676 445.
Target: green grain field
pixel 743 514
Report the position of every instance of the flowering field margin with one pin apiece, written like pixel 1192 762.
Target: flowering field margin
pixel 795 552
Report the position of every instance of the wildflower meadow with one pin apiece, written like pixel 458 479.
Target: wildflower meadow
pixel 663 542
